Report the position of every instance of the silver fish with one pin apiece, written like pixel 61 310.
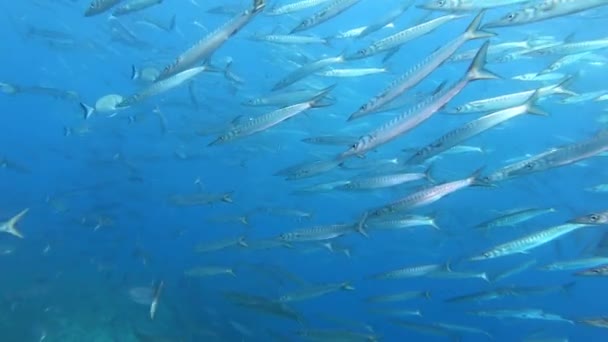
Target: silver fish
pixel 205 47
pixel 132 6
pixel 466 5
pixel 543 10
pixel 576 264
pixel 307 70
pixel 515 217
pixel 99 6
pixel 383 181
pixel 294 7
pixel 332 10
pixel 421 70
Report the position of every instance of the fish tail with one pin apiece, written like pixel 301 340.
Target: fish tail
pixel 11 225
pixel 361 225
pixel 562 87
pixel 477 70
pixel 242 242
pixel 135 74
pixel 532 108
pixel 319 100
pixel 258 5
pixel 474 30
pixel 88 110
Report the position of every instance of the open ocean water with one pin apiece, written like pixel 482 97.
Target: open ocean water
pixel 198 170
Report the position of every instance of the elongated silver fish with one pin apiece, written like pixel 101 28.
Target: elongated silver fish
pixel 426 196
pixel 294 7
pixel 511 100
pixel 566 155
pixel 514 218
pixel 332 140
pixel 352 72
pixel 162 86
pixel 265 121
pixel 529 242
pixel 576 264
pixel 397 39
pixel 473 128
pixel 546 9
pixel 421 70
pixel 599 271
pixel 309 169
pixel 205 47
pixel 593 218
pixel 289 39
pixel 132 6
pixel 332 10
pixel 570 48
pixel 307 70
pixel 466 5
pixel 99 6
pixel 508 171
pixel 409 272
pixel 386 19
pixel 406 221
pixel 318 233
pixel 412 118
pixel 383 181
pixel 315 291
pixel 284 98
pixel 399 297
pixel 533 314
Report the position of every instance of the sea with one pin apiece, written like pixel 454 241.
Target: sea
pixel 191 170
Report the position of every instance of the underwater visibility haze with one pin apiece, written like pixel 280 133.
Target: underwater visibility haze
pixel 304 170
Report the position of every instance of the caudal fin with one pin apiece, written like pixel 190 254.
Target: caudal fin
pixel 88 110
pixel 532 108
pixel 10 226
pixel 477 70
pixel 474 30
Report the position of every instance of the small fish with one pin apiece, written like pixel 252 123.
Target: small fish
pixel 406 221
pixel 208 271
pixel 132 6
pixel 289 39
pixel 466 5
pixel 599 322
pixel 352 72
pixel 294 7
pixel 154 305
pixel 514 218
pixel 330 11
pixel 315 292
pixel 576 264
pixel 384 181
pixel 528 314
pixel 409 272
pixel 222 244
pixel 539 77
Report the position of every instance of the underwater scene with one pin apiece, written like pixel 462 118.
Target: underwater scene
pixel 304 170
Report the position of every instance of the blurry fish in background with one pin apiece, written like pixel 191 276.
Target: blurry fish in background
pixel 132 6
pixel 10 226
pixel 97 7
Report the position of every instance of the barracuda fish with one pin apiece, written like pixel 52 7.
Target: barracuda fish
pixel 576 264
pixel 463 329
pixel 200 199
pixel 358 72
pixel 162 86
pixel 533 76
pixel 10 226
pixel 209 271
pixel 424 68
pixel 288 39
pixel 427 329
pixel 268 120
pixel 320 233
pixel 396 312
pixel 307 70
pixel 599 322
pixel 511 291
pixel 285 98
pixel 600 188
pixel 514 218
pixel 263 305
pixel 412 118
pixel 546 9
pixel 132 6
pixel 584 97
pixel 466 5
pixel 473 128
pixel 332 140
pixel 99 6
pixel 409 272
pixel 395 40
pixel 357 31
pixel 222 244
pixel 205 47
pixel 384 181
pixel 570 48
pixel 386 19
pixel 531 314
pixel 529 242
pixel 332 10
pixel 511 100
pixel 600 271
pixel 563 62
pixel 513 271
pixel 508 171
pixel 323 187
pixel 402 222
pixel 426 196
pixel 566 155
pixel 309 169
pixel 399 297
pixel 295 7
pixel 154 305
pixel 315 292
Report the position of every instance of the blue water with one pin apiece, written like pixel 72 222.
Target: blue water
pixel 100 221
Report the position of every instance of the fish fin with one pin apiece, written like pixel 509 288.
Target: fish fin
pixel 319 99
pixel 135 74
pixel 241 242
pixel 67 131
pixel 227 197
pixel 11 225
pixel 477 70
pixel 428 174
pixel 361 225
pixel 88 110
pixel 478 179
pixel 390 54
pixel 258 5
pixel 172 23
pixel 531 107
pixel 474 30
pixel 562 87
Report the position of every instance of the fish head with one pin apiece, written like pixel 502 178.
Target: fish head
pixel 439 5
pixel 360 146
pixel 593 218
pixel 252 102
pixel 511 18
pixel 458 109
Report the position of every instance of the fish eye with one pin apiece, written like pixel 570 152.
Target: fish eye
pixel 459 109
pixel 529 166
pixel 594 217
pixel 441 2
pixel 511 16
